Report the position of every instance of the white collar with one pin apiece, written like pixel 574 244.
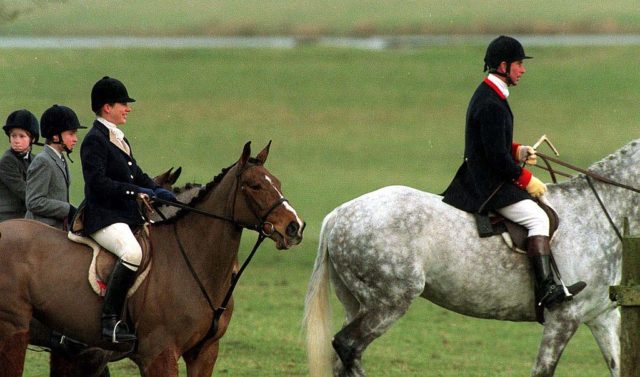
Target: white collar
pixel 504 88
pixel 59 154
pixel 112 128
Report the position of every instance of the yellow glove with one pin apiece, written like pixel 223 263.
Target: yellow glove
pixel 535 187
pixel 527 155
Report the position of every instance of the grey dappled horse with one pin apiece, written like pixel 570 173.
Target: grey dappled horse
pixel 386 248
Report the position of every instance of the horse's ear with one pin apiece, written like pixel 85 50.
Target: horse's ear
pixel 262 156
pixel 163 179
pixel 173 177
pixel 246 153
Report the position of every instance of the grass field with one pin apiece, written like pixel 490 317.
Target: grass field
pixel 313 18
pixel 342 123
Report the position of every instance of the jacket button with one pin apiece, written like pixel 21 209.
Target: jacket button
pixel 130 163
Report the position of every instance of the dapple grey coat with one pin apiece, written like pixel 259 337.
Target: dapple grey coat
pixel 47 193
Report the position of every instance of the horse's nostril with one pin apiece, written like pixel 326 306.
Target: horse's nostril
pixel 292 229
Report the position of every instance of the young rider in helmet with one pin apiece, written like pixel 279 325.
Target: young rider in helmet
pixel 113 180
pixel 492 178
pixel 22 129
pixel 48 179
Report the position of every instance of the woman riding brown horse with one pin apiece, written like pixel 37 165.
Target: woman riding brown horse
pixel 42 274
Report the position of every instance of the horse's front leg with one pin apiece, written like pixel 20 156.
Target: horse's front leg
pixel 201 363
pixel 558 329
pixel 89 363
pixel 163 365
pixel 605 329
pixel 201 360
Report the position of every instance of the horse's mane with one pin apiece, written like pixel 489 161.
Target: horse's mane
pixel 617 162
pixel 619 166
pixel 172 215
pixel 196 199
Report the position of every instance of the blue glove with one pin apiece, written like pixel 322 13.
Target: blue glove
pixel 143 190
pixel 164 194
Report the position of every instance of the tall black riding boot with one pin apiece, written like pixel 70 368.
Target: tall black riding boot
pixel 548 293
pixel 113 329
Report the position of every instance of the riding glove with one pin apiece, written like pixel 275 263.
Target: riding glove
pixel 527 155
pixel 164 194
pixel 144 190
pixel 535 187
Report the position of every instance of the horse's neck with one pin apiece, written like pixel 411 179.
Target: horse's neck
pixel 618 202
pixel 212 244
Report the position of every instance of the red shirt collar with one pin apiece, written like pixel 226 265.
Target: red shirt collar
pixel 495 88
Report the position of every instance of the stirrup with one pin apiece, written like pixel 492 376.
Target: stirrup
pixel 114 334
pixel 554 296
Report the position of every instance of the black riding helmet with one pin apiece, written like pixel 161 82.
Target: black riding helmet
pixel 25 120
pixel 57 119
pixel 503 49
pixel 108 90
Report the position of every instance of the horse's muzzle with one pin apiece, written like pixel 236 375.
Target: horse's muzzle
pixel 292 235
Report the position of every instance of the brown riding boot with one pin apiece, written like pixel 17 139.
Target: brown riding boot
pixel 548 293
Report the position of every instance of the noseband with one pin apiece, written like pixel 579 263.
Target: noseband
pixel 264 223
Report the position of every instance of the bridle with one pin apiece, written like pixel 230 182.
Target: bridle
pixel 588 176
pixel 260 227
pixel 263 227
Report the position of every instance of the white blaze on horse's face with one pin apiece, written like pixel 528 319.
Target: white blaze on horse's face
pixel 292 234
pixel 286 204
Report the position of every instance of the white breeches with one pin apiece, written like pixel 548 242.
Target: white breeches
pixel 528 214
pixel 118 239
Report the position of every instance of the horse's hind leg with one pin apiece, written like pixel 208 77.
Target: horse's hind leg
pixel 605 330
pixel 350 342
pixel 12 353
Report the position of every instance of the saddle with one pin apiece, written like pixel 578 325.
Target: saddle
pixel 514 235
pixel 103 261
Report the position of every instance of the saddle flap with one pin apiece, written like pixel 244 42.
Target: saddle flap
pixel 103 261
pixel 515 235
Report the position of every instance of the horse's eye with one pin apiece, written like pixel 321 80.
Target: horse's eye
pixel 254 186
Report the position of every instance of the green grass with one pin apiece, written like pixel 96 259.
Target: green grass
pixel 343 123
pixel 312 18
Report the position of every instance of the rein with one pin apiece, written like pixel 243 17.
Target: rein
pixel 263 233
pixel 588 174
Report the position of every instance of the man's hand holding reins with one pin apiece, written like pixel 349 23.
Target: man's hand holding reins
pixel 159 193
pixel 527 154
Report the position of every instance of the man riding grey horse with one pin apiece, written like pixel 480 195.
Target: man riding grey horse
pixel 491 177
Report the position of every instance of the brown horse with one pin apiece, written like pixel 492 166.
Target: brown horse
pixel 71 359
pixel 43 275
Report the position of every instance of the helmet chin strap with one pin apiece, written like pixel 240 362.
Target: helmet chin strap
pixel 64 147
pixel 505 74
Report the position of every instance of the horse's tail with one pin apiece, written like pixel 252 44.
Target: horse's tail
pixel 317 313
